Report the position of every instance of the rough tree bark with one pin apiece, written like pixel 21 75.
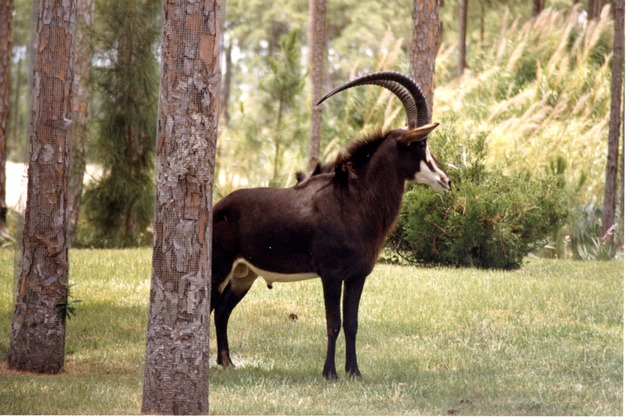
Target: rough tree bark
pixel 610 192
pixel 6 19
pixel 80 106
pixel 316 58
pixel 177 359
pixel 424 46
pixel 39 327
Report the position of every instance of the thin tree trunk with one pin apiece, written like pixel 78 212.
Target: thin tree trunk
pixel 463 15
pixel 622 188
pixel 6 18
pixel 482 24
pixel 176 378
pixel 38 329
pixel 16 100
pixel 594 9
pixel 537 7
pixel 316 57
pixel 227 84
pixel 80 107
pixel 424 46
pixel 608 213
pixel 226 93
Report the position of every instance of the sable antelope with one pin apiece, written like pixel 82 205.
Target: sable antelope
pixel 331 225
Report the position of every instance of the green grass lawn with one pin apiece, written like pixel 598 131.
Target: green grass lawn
pixel 543 340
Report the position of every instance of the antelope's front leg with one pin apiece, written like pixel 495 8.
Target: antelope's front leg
pixel 351 296
pixel 332 301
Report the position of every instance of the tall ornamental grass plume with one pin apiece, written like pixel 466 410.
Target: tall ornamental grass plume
pixel 541 91
pixel 490 219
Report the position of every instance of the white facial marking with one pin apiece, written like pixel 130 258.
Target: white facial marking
pixel 435 178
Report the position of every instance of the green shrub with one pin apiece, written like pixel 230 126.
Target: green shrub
pixel 488 220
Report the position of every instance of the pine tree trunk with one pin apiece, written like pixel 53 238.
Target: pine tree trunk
pixel 463 15
pixel 39 327
pixel 176 376
pixel 424 46
pixel 16 100
pixel 610 192
pixel 620 240
pixel 6 18
pixel 80 106
pixel 227 86
pixel 594 9
pixel 537 7
pixel 482 24
pixel 316 57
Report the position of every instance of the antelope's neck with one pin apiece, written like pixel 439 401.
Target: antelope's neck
pixel 383 191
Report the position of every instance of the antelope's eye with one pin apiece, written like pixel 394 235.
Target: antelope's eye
pixel 423 144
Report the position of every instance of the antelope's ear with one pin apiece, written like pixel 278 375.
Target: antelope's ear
pixel 418 134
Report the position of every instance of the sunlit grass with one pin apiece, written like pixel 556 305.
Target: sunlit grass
pixel 544 340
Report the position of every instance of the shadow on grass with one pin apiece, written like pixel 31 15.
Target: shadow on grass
pixel 99 332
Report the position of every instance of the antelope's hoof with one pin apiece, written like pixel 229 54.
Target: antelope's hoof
pixel 331 376
pixel 225 362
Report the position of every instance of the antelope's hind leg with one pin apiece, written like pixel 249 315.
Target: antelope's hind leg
pixel 332 302
pixel 238 284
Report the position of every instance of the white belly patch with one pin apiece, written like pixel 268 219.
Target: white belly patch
pixel 242 269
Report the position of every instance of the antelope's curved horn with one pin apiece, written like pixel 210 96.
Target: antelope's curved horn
pixel 402 86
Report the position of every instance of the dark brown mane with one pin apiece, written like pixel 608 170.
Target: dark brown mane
pixel 353 158
pixel 359 151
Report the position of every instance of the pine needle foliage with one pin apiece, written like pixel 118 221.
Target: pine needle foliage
pixel 267 138
pixel 282 88
pixel 119 206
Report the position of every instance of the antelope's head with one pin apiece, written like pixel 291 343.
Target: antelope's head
pixel 428 170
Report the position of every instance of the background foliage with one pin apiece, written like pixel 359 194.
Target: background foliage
pixel 538 90
pixel 541 91
pixel 118 207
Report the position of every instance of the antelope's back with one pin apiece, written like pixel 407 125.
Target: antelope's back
pixel 272 228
